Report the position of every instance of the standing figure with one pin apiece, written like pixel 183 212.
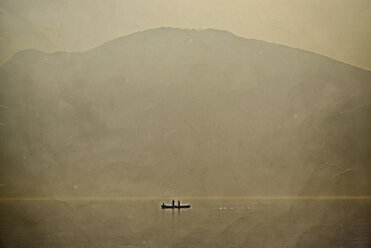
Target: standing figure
pixel 173 203
pixel 179 204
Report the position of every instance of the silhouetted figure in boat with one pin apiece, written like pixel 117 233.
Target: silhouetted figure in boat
pixel 173 203
pixel 179 204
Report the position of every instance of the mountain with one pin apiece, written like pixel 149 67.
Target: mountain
pixel 169 112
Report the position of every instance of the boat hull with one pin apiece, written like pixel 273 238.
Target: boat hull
pixel 171 207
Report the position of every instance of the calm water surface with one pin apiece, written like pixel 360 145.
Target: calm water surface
pixel 209 223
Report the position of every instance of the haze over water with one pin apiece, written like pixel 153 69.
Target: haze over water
pixel 209 223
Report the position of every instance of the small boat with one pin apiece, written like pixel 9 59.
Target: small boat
pixel 182 206
pixel 172 206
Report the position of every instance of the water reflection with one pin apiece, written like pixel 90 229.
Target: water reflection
pixel 207 224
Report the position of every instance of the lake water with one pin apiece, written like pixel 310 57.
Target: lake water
pixel 209 223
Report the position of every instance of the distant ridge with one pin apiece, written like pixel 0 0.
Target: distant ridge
pixel 177 30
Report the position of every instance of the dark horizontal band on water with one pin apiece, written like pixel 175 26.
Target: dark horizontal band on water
pixel 367 197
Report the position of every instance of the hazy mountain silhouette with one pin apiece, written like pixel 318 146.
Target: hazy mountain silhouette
pixel 183 112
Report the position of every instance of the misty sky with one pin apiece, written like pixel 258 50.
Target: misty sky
pixel 336 28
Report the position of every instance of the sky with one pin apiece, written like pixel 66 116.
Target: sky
pixel 339 29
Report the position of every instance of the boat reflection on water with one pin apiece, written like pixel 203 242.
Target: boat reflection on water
pixel 172 206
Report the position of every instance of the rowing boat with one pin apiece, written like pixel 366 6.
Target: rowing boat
pixel 176 206
pixel 172 206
